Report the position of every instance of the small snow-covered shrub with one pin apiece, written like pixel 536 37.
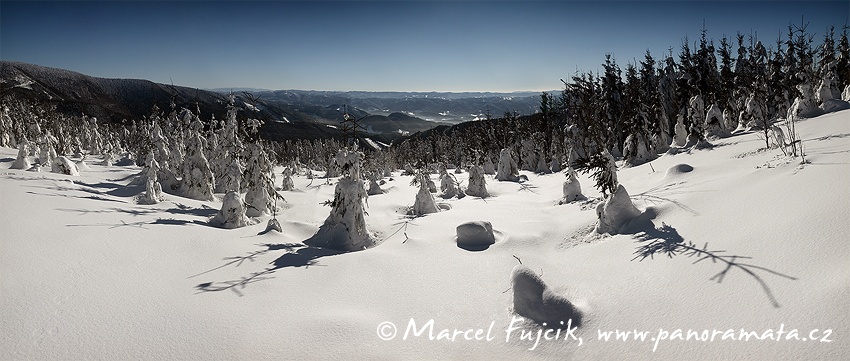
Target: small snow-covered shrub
pixel 64 165
pixel 507 170
pixel 572 187
pixel 345 228
pixel 615 212
pixel 22 161
pixel 536 301
pixel 715 123
pixel 449 187
pixel 424 203
pixel 232 213
pixel 153 189
pixel 477 183
pixel 287 184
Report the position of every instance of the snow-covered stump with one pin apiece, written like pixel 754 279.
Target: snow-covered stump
pixel 477 184
pixel 424 203
pixel 615 212
pixel 475 235
pixel 572 187
pixel 507 170
pixel 23 160
pixel 65 166
pixel 232 213
pixel 536 301
pixel 345 228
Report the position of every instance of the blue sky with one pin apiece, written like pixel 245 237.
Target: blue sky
pixel 377 45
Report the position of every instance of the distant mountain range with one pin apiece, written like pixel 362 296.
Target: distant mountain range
pixel 289 114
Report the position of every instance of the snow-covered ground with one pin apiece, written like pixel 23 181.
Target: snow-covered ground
pixel 86 273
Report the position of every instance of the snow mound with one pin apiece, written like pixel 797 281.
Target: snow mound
pixel 475 235
pixel 678 170
pixel 535 301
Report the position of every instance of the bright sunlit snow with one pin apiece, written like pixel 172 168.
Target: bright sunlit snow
pixel 88 273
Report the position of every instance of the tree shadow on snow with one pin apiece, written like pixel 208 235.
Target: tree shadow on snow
pixel 666 240
pixel 296 255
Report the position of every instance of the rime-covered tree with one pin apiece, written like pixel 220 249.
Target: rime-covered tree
pixel 477 183
pixel 259 184
pixel 842 64
pixel 345 228
pixel 198 181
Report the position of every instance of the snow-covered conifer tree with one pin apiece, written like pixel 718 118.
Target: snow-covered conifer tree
pixel 715 124
pixel 507 170
pixel 572 187
pixel 22 161
pixel 345 228
pixel 477 184
pixel 232 212
pixel 260 194
pixel 449 186
pixel 153 190
pixel 489 167
pixel 287 183
pixel 424 203
pixel 198 179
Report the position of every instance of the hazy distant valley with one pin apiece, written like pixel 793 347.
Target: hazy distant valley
pixel 288 114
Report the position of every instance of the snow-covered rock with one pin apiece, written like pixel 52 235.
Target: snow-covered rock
pixel 475 234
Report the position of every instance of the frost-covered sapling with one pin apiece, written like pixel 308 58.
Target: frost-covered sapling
pixel 477 184
pixel 232 213
pixel 345 228
pixel 260 194
pixel 65 166
pixel 287 184
pixel 715 124
pixel 449 186
pixel 572 187
pixel 617 209
pixel 424 203
pixel 153 190
pixel 198 179
pixel 489 167
pixel 22 161
pixel 507 170
pixel 534 300
pixel 374 187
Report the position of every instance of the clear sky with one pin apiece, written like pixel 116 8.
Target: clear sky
pixel 377 45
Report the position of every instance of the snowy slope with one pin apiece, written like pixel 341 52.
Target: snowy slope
pixel 85 273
